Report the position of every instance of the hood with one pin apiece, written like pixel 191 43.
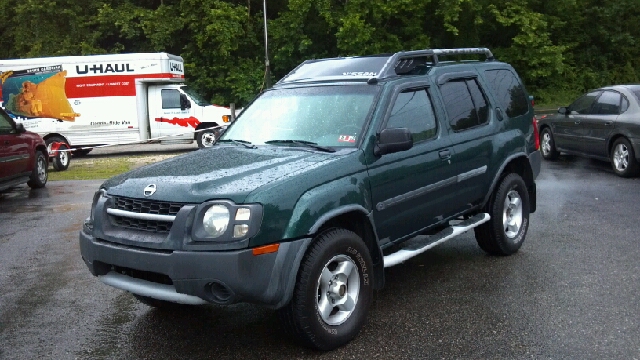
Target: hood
pixel 221 172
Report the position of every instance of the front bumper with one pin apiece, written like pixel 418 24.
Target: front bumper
pixel 196 277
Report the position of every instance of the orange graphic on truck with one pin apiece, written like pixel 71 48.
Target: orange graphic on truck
pixel 37 92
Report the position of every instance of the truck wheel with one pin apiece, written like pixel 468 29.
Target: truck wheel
pixel 333 291
pixel 548 145
pixel 208 137
pixel 38 178
pixel 62 158
pixel 159 304
pixel 623 159
pixel 509 210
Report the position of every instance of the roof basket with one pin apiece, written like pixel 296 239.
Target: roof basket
pixel 377 67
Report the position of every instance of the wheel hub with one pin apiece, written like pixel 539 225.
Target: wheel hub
pixel 621 157
pixel 338 289
pixel 512 215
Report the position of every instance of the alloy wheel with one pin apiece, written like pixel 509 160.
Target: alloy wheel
pixel 512 214
pixel 337 290
pixel 621 157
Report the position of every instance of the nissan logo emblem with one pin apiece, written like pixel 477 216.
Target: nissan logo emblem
pixel 150 190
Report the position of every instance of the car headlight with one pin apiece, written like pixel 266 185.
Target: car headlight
pixel 216 220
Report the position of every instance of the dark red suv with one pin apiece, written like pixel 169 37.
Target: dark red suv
pixel 23 155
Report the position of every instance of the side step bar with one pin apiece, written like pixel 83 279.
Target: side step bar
pixel 149 289
pixel 425 243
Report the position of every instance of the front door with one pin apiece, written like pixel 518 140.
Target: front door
pixel 569 131
pixel 408 186
pixel 169 115
pixel 14 153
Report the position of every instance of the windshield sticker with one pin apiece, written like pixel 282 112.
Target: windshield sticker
pixel 359 73
pixel 347 138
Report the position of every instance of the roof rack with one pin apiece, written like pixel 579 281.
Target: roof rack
pixel 376 66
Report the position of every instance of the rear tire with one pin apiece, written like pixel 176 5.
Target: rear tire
pixel 509 210
pixel 548 145
pixel 333 292
pixel 39 175
pixel 623 158
pixel 208 137
pixel 62 159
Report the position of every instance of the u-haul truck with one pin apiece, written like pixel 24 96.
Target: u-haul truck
pixel 86 101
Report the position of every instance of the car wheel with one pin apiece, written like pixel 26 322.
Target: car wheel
pixel 208 137
pixel 333 291
pixel 547 145
pixel 623 158
pixel 160 304
pixel 39 175
pixel 61 159
pixel 509 210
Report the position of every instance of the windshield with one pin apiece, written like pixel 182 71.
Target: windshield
pixel 323 115
pixel 194 95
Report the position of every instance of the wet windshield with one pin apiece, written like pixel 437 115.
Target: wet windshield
pixel 323 115
pixel 194 96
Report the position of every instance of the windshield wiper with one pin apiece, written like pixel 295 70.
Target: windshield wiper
pixel 303 143
pixel 244 143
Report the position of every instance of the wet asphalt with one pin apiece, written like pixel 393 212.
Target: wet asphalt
pixel 571 292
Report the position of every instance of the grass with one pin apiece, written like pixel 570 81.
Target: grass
pixel 102 168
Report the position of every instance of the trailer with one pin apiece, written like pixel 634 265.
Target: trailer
pixel 78 102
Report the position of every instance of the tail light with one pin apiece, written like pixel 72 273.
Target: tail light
pixel 536 133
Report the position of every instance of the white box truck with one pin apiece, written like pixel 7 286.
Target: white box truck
pixel 84 101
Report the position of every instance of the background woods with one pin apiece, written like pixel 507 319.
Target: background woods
pixel 560 47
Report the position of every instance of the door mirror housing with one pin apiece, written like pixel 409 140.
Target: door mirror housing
pixel 184 102
pixel 562 110
pixel 20 128
pixel 393 140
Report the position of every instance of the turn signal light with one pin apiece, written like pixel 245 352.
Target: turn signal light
pixel 226 118
pixel 267 249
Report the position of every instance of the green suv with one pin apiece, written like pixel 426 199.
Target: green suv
pixel 346 166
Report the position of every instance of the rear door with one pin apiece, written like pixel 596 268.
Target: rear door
pixel 599 123
pixel 411 189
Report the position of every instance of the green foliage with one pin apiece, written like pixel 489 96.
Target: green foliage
pixel 560 48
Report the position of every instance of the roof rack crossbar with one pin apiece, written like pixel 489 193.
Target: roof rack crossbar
pixel 388 71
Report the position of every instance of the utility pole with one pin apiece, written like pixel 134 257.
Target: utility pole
pixel 267 72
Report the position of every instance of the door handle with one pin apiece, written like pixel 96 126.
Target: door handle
pixel 577 122
pixel 608 123
pixel 445 154
pixel 6 142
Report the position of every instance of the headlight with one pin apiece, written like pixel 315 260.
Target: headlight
pixel 216 220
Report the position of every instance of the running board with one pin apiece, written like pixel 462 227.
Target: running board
pixel 424 243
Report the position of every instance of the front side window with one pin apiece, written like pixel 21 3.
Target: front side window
pixel 6 125
pixel 413 110
pixel 584 103
pixel 508 91
pixel 170 99
pixel 608 103
pixel 325 115
pixel 465 104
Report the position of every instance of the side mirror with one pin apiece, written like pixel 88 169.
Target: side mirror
pixel 184 102
pixel 393 140
pixel 20 128
pixel 562 110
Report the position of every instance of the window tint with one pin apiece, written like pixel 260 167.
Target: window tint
pixel 625 104
pixel 170 99
pixel 413 110
pixel 6 126
pixel 584 103
pixel 608 104
pixel 508 91
pixel 465 104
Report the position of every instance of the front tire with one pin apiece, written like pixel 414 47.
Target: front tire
pixel 208 137
pixel 333 292
pixel 623 158
pixel 39 175
pixel 509 210
pixel 548 145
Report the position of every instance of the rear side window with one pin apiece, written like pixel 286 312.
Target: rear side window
pixel 508 91
pixel 465 104
pixel 170 99
pixel 6 126
pixel 413 110
pixel 608 103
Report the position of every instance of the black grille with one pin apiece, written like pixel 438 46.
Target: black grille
pixel 146 206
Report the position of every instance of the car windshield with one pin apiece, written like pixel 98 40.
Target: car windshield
pixel 194 95
pixel 322 115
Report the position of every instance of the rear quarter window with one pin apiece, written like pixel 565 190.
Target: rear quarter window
pixel 508 92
